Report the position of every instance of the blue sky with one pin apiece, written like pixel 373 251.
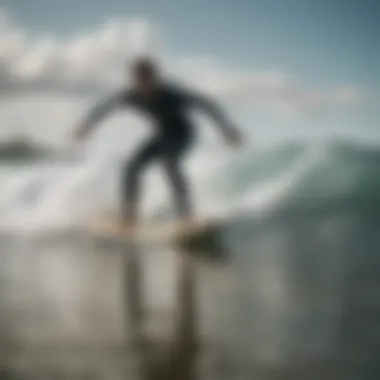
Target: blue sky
pixel 322 44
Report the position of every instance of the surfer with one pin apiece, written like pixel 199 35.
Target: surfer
pixel 166 104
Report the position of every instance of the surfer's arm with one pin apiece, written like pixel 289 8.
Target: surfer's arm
pixel 98 113
pixel 230 132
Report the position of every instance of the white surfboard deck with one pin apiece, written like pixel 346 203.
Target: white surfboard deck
pixel 110 226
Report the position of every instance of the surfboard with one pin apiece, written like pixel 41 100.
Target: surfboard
pixel 203 234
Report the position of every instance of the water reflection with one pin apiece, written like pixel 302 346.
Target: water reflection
pixel 304 285
pixel 82 310
pixel 173 356
pixel 298 298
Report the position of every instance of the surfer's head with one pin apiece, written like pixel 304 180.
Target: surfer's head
pixel 145 74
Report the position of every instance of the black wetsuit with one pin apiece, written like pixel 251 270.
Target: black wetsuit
pixel 167 107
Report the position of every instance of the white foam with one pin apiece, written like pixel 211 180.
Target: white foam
pixel 54 196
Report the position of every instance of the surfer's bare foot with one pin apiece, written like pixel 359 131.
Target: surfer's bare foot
pixel 186 226
pixel 128 227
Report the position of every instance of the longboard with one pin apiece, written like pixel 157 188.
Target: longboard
pixel 202 235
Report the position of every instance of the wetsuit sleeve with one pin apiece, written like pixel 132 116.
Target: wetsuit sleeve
pixel 102 109
pixel 212 109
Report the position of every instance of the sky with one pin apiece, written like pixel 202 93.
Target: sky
pixel 281 67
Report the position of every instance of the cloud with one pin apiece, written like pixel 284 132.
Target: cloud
pixel 270 88
pixel 83 63
pixel 95 61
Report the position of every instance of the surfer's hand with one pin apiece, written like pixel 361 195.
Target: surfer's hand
pixel 79 135
pixel 235 138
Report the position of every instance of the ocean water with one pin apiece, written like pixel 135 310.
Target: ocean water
pixel 297 296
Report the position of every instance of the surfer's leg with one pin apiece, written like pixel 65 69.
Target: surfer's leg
pixel 173 164
pixel 131 180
